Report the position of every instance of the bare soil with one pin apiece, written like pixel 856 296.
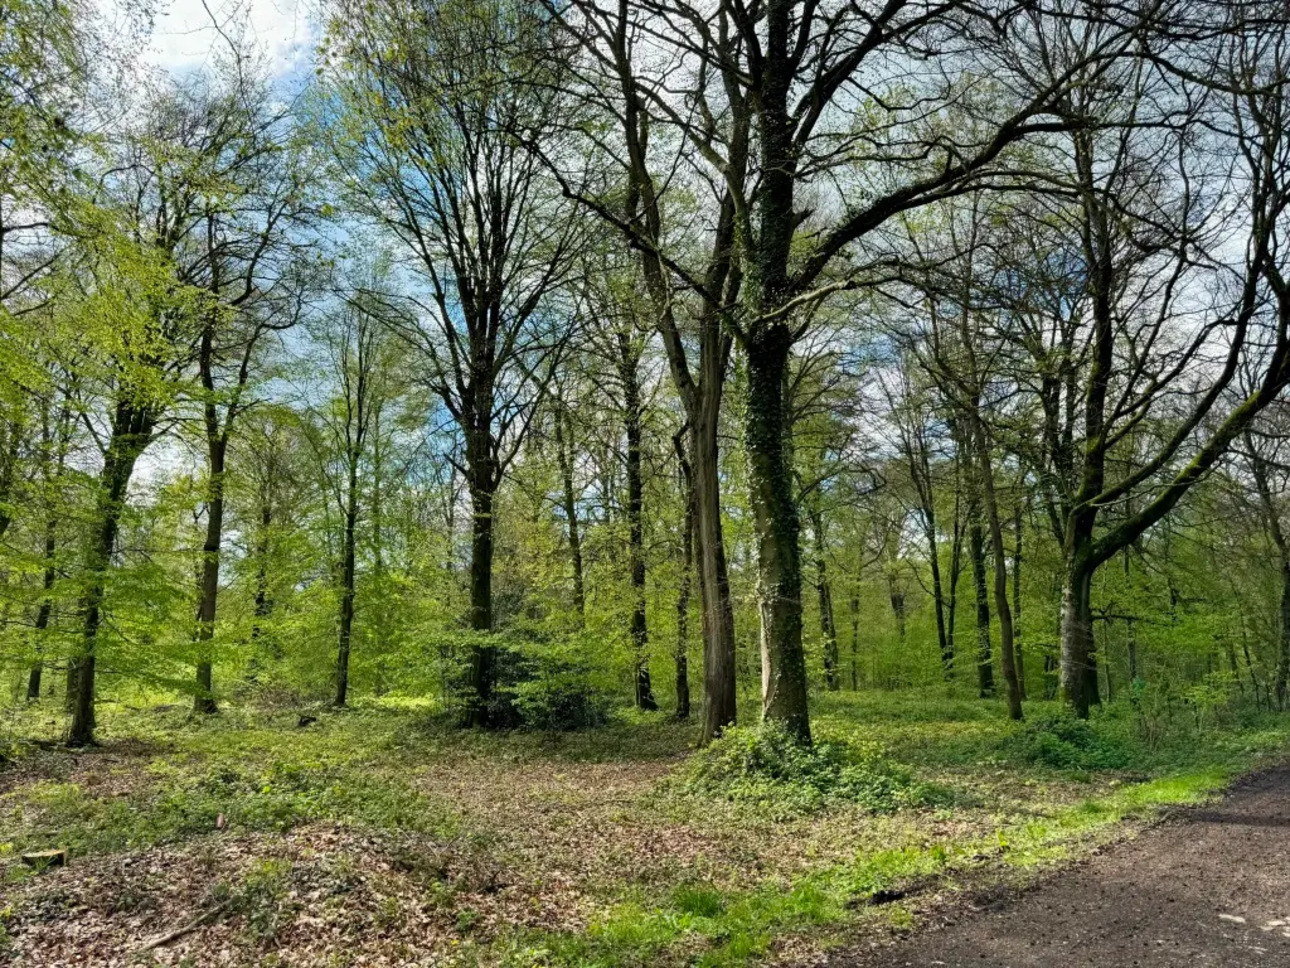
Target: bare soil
pixel 1209 886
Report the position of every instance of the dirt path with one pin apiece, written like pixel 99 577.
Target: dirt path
pixel 1209 887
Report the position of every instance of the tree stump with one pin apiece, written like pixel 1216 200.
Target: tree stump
pixel 41 859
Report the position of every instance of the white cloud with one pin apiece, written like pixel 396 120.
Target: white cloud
pixel 185 36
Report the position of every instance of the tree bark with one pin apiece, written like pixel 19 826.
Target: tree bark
pixel 1017 525
pixel 348 589
pixel 683 591
pixel 217 449
pixel 132 427
pixel 483 657
pixel 855 636
pixel 984 650
pixel 46 607
pixel 1077 640
pixel 1281 683
pixel 629 360
pixel 775 519
pixel 828 629
pixel 1000 556
pixel 263 601
pixel 714 582
pixel 569 499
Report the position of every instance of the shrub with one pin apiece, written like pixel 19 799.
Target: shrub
pixel 1064 742
pixel 540 681
pixel 766 765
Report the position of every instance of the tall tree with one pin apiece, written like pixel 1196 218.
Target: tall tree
pixel 248 263
pixel 429 110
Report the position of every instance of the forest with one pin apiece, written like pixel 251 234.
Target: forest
pixel 626 483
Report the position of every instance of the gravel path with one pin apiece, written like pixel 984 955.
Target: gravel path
pixel 1210 887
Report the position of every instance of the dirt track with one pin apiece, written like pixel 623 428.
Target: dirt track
pixel 1209 887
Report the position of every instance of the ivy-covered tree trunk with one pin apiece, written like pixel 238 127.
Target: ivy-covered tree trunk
pixel 775 519
pixel 1079 679
pixel 1079 684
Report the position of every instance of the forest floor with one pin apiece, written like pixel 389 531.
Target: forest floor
pixel 1210 887
pixel 380 836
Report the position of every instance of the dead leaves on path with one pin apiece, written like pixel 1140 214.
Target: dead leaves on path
pixel 319 895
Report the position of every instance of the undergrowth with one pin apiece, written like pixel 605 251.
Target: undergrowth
pixel 767 766
pixel 902 791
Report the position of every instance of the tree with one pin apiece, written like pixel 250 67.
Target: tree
pixel 426 134
pixel 249 263
pixel 1110 314
pixel 363 365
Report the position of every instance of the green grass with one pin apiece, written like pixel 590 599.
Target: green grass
pixel 822 865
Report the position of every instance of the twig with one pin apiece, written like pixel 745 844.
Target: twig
pixel 202 919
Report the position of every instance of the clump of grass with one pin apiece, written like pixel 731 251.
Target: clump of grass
pixel 767 766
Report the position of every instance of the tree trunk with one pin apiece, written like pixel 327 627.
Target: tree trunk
pixel 896 595
pixel 984 657
pixel 635 523
pixel 714 582
pixel 943 638
pixel 483 657
pixel 72 678
pixel 1017 526
pixel 208 591
pixel 956 567
pixel 46 608
pixel 1282 682
pixel 132 428
pixel 1000 556
pixel 683 599
pixel 779 574
pixel 855 637
pixel 564 458
pixel 348 590
pixel 828 629
pixel 263 601
pixel 1077 640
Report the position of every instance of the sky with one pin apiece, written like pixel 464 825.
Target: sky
pixel 184 37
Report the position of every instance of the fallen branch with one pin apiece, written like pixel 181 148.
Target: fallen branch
pixel 201 920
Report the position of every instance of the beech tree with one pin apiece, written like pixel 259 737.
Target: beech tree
pixel 427 138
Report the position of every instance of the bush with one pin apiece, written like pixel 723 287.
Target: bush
pixel 767 766
pixel 1065 742
pixel 539 682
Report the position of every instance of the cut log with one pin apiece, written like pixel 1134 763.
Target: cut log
pixel 40 859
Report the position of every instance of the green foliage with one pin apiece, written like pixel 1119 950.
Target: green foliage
pixel 1058 739
pixel 543 680
pixel 766 766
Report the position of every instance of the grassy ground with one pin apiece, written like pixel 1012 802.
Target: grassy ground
pixel 379 836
